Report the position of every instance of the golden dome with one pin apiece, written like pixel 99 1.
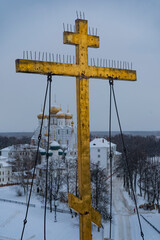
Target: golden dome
pixel 41 115
pixel 46 134
pixel 68 116
pixel 60 114
pixel 54 110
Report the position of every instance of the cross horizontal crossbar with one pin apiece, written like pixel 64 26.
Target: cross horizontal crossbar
pixel 73 70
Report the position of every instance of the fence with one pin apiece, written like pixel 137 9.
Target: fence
pixel 16 202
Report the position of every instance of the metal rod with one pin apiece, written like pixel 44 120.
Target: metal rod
pixel 80 15
pixel 53 57
pixel 96 32
pixel 31 55
pixel 43 56
pixel 77 14
pixel 92 31
pixel 63 27
pixel 23 54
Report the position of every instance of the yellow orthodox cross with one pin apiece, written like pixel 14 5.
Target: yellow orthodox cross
pixel 82 40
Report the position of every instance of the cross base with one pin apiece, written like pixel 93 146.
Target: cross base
pixel 83 208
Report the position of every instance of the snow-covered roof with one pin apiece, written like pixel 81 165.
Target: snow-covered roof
pixel 7 149
pixel 59 113
pixel 60 150
pixel 3 162
pixel 100 142
pixel 54 144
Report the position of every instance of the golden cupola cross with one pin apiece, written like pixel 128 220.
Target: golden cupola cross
pixel 82 40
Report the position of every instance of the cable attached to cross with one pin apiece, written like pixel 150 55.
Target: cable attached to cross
pixel 49 79
pixel 110 156
pixel 47 153
pixel 126 157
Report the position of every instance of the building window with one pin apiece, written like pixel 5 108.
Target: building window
pixel 0 179
pixel 67 131
pixel 99 156
pixel 0 173
pixel 8 172
pixel 98 150
pixel 3 173
pixel 8 179
pixel 58 131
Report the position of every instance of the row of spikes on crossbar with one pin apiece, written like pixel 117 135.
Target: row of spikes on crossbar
pixel 71 28
pixel 99 62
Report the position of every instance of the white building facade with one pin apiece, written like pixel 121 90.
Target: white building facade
pixel 5 171
pixel 99 153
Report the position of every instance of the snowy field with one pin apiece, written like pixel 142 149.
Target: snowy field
pixel 125 224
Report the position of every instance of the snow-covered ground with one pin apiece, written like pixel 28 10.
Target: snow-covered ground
pixel 125 224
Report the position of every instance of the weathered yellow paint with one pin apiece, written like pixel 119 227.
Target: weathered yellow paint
pixel 82 72
pixel 74 70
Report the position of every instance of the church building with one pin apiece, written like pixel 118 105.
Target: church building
pixel 61 125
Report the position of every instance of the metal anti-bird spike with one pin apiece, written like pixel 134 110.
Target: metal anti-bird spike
pixel 92 31
pixel 63 27
pixel 52 57
pixel 23 54
pixel 70 28
pixel 39 56
pixel 94 62
pixel 35 55
pixel 83 16
pixel 80 15
pixel 31 55
pixel 91 61
pixel 96 32
pixel 43 56
pixel 77 14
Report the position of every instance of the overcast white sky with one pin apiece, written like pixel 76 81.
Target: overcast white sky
pixel 128 30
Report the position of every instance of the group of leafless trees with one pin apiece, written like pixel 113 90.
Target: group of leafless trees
pixel 63 179
pixel 143 160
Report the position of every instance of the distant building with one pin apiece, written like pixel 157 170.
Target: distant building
pixel 99 153
pixel 5 171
